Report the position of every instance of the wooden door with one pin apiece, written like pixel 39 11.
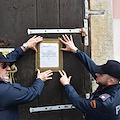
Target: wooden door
pixel 16 17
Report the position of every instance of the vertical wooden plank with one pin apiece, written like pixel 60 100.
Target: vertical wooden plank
pixel 71 13
pixel 72 16
pixel 47 13
pixel 48 17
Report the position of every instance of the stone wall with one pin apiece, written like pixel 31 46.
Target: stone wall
pixel 101 27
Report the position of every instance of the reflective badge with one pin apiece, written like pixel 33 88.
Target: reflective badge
pixel 93 103
pixel 104 96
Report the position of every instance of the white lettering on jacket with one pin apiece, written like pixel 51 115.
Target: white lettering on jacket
pixel 117 109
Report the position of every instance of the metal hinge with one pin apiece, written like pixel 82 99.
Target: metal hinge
pixel 38 31
pixel 84 31
pixel 92 12
pixel 50 108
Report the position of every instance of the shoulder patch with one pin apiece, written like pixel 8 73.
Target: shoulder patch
pixel 104 96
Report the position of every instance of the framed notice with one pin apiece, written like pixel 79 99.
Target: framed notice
pixel 49 55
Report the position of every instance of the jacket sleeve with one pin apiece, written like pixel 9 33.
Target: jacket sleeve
pixel 87 62
pixel 92 107
pixel 80 103
pixel 16 54
pixel 15 94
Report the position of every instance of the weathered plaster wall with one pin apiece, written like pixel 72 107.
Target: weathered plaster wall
pixel 101 32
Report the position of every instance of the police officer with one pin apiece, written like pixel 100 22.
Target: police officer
pixel 104 103
pixel 12 95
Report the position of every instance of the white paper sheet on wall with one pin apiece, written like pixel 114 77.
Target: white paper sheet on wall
pixel 49 55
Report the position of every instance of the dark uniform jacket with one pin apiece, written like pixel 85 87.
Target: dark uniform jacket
pixel 104 104
pixel 12 95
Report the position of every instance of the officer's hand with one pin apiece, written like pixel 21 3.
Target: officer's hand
pixel 44 75
pixel 33 41
pixel 69 44
pixel 64 79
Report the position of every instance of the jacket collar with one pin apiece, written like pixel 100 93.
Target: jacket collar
pixel 113 87
pixel 5 81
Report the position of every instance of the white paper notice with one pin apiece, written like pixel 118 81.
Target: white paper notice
pixel 49 55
